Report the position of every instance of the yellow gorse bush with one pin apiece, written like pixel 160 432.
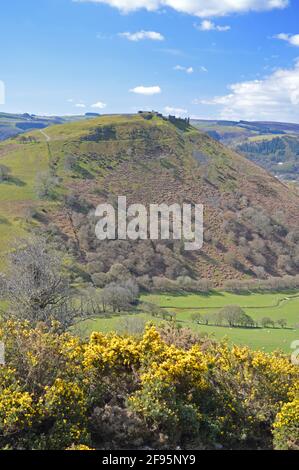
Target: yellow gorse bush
pixel 56 390
pixel 288 415
pixel 17 410
pixel 286 426
pixel 111 351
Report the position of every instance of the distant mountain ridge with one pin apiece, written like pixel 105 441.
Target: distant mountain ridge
pixel 14 124
pixel 272 145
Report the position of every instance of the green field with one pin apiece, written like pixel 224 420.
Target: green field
pixel 275 305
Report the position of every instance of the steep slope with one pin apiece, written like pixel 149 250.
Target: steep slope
pixel 59 176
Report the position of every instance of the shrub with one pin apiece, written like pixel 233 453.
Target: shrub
pixel 164 389
pixel 180 337
pixel 45 185
pixel 286 427
pixel 5 173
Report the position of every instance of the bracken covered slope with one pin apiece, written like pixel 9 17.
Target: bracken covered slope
pixel 59 175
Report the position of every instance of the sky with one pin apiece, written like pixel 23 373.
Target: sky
pixel 209 59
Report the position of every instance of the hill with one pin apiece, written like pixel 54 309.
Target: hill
pixel 14 124
pixel 272 145
pixel 56 177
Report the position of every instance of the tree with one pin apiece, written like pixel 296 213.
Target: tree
pixel 282 322
pixel 132 288
pixel 196 318
pixel 92 301
pixel 267 322
pixel 152 309
pixel 260 272
pixel 231 314
pixel 172 316
pixel 206 319
pixel 119 296
pixel 246 320
pixel 35 286
pixel 234 316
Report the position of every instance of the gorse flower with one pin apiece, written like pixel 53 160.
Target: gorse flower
pixel 58 392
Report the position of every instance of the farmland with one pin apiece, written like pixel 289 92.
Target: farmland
pixel 275 305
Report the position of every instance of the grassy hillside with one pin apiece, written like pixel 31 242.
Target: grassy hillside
pixel 14 124
pixel 250 217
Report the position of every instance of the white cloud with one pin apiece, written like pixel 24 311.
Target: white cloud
pixel 99 105
pixel 141 35
pixel 146 90
pixel 275 97
pixel 291 39
pixel 184 69
pixel 80 105
pixel 201 8
pixel 207 25
pixel 203 69
pixel 178 112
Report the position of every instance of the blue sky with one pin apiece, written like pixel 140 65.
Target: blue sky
pixel 229 59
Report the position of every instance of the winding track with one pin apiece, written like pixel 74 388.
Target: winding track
pixel 46 136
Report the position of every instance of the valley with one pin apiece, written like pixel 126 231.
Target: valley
pixel 272 145
pixel 149 232
pixel 276 305
pixel 59 174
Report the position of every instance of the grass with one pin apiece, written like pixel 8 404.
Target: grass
pixel 258 305
pixel 275 305
pixel 107 325
pixel 19 193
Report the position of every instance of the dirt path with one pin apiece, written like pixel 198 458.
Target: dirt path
pixel 46 136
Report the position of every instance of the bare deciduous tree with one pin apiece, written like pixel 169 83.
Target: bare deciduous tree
pixel 119 296
pixel 35 286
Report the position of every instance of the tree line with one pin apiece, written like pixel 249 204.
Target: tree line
pixel 234 316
